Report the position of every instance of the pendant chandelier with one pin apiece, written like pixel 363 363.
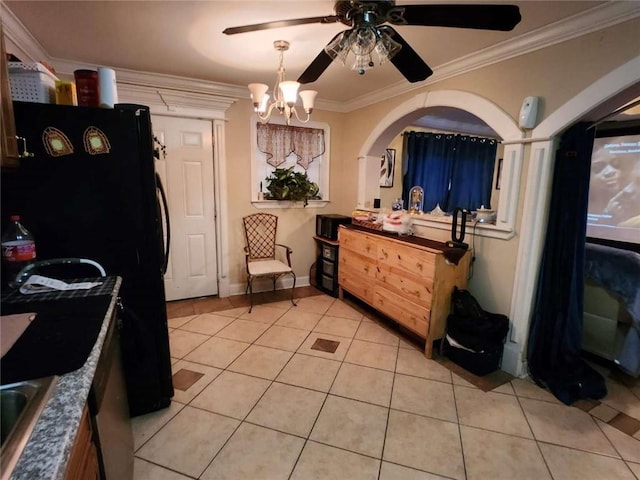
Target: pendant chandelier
pixel 285 94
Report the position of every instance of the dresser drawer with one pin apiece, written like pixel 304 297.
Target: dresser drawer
pixel 358 242
pixel 409 259
pixel 409 315
pixel 358 264
pixel 360 286
pixel 418 290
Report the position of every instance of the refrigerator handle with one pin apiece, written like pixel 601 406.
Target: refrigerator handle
pixel 165 208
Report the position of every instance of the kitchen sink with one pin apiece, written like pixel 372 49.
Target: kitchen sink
pixel 20 407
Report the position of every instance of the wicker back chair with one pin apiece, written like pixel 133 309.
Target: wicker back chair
pixel 261 254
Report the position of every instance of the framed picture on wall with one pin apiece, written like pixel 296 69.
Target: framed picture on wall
pixel 387 167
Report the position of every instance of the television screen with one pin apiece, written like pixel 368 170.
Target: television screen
pixel 614 189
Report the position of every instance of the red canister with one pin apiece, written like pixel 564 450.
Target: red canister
pixel 87 88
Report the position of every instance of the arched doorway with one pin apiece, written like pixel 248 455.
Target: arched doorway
pixel 492 287
pixel 416 107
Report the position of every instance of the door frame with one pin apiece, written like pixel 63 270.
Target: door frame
pixel 215 199
pixel 211 108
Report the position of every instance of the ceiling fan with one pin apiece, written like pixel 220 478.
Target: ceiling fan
pixel 370 32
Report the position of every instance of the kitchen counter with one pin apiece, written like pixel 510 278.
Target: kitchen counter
pixel 48 450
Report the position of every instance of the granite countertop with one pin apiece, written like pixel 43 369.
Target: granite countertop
pixel 48 450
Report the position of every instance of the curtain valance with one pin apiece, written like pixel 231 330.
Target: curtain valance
pixel 277 142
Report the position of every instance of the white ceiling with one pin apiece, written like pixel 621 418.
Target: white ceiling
pixel 185 38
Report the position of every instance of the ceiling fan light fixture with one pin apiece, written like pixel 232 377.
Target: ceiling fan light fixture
pixel 285 94
pixel 369 20
pixel 362 63
pixel 338 48
pixel 363 40
pixel 386 47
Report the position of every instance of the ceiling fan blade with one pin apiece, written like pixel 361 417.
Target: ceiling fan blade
pixel 279 24
pixel 407 61
pixel 485 17
pixel 318 66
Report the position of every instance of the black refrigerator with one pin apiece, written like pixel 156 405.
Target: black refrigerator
pixel 89 190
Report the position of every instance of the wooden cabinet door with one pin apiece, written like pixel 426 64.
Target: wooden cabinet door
pixel 83 461
pixel 8 144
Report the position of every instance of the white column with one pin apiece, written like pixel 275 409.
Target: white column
pixel 532 234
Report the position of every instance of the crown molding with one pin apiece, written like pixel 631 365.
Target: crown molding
pixel 24 45
pixel 594 19
pixel 155 80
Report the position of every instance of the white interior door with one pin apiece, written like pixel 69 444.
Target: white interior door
pixel 187 174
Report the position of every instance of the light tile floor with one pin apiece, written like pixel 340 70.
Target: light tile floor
pixel 268 406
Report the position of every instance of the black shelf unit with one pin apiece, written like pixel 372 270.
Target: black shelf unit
pixel 327 265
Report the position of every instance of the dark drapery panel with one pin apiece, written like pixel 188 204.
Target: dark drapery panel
pixel 472 175
pixel 428 163
pixel 454 170
pixel 555 337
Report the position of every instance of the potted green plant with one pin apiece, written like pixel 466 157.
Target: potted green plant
pixel 285 184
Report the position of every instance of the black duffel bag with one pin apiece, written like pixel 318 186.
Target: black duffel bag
pixel 473 327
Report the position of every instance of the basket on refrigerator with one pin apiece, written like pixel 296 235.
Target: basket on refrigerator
pixel 32 82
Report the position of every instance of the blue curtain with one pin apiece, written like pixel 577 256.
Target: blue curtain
pixel 555 337
pixel 428 161
pixel 472 176
pixel 454 170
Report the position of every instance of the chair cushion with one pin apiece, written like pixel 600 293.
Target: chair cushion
pixel 268 267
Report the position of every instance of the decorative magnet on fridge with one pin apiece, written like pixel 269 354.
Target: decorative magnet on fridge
pixel 56 143
pixel 95 141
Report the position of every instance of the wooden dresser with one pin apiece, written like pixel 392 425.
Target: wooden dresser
pixel 408 279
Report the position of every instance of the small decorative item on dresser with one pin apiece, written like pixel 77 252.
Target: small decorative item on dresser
pixel 416 200
pixel 366 219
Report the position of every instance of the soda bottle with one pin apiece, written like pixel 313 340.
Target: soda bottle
pixel 18 249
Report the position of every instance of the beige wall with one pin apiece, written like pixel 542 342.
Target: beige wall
pixel 555 74
pixel 296 226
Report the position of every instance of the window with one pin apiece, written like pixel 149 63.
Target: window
pixel 276 145
pixel 453 170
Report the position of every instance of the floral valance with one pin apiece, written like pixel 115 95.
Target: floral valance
pixel 277 142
